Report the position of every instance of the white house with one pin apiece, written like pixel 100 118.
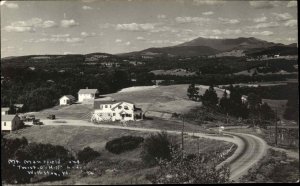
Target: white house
pixel 67 100
pixel 87 94
pixel 115 111
pixel 10 122
pixel 4 111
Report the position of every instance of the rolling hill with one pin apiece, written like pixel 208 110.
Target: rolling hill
pixel 207 47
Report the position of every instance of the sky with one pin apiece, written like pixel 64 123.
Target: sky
pixel 118 26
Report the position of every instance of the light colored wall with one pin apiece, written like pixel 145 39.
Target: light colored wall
pixel 7 127
pixel 107 111
pixel 82 97
pixel 4 112
pixel 63 101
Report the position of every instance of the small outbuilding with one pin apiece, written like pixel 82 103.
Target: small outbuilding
pixel 4 110
pixel 67 100
pixel 10 123
pixel 87 94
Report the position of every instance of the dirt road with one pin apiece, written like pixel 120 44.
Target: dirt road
pixel 250 149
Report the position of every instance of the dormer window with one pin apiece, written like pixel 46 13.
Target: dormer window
pixel 126 108
pixel 119 107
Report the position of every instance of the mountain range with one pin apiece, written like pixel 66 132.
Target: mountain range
pixel 198 47
pixel 204 46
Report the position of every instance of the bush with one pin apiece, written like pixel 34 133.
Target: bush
pixel 156 147
pixel 20 149
pixel 122 144
pixel 87 154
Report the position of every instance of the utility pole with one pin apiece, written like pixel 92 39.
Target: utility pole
pixel 182 146
pixel 275 127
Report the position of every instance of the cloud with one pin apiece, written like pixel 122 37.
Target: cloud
pixel 29 25
pixel 135 27
pixel 291 23
pixel 68 23
pixel 161 16
pixel 85 34
pixel 118 40
pixel 283 16
pixel 11 5
pixel 87 8
pixel 61 35
pixel 48 24
pixel 291 4
pixel 261 4
pixel 208 2
pixel 57 40
pixel 191 19
pixel 291 39
pixel 228 21
pixel 260 19
pixel 265 25
pixel 19 29
pixel 208 13
pixel 140 38
pixel 263 33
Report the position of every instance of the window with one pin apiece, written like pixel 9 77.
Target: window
pixel 126 108
pixel 128 115
pixel 105 106
pixel 101 107
pixel 114 114
pixel 119 107
pixel 4 124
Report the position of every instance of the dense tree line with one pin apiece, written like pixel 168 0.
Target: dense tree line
pixel 232 103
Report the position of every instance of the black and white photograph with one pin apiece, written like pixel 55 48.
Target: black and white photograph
pixel 130 92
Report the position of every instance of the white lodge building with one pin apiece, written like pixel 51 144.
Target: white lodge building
pixel 115 111
pixel 87 94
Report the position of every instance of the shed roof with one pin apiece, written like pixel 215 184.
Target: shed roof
pixel 4 109
pixel 19 105
pixel 87 91
pixel 7 117
pixel 69 97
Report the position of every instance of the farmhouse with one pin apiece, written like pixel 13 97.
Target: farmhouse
pixel 115 111
pixel 67 100
pixel 87 94
pixel 4 110
pixel 10 122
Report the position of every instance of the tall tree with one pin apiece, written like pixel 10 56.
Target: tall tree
pixel 193 92
pixel 210 97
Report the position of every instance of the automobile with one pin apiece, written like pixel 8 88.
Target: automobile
pixel 30 117
pixel 51 116
pixel 35 121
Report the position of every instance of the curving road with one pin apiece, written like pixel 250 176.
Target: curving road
pixel 250 148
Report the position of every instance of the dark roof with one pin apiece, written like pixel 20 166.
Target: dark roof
pixel 121 103
pixel 19 105
pixel 7 117
pixel 97 103
pixel 69 96
pixel 87 91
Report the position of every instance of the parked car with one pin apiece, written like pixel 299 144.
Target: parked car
pixel 51 116
pixel 30 117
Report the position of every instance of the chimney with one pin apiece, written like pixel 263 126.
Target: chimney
pixel 86 87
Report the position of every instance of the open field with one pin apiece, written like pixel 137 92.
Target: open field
pixel 128 165
pixel 172 98
pixel 75 111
